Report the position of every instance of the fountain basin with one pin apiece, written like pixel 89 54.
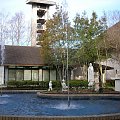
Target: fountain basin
pixel 31 106
pixel 79 96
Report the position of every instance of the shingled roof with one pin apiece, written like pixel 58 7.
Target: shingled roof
pixel 23 55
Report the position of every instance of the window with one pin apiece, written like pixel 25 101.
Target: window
pixel 45 75
pixel 35 75
pixel 19 74
pixel 27 74
pixel 52 74
pixel 11 75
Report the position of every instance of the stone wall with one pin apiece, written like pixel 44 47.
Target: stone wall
pixel 96 117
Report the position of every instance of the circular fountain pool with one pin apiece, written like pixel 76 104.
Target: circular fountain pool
pixel 30 104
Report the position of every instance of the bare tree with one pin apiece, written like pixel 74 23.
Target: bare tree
pixel 17 28
pixel 113 34
pixel 28 33
pixel 14 30
pixel 113 38
pixel 113 17
pixel 3 27
pixel 11 33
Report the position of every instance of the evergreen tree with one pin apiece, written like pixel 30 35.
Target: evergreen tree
pixel 54 41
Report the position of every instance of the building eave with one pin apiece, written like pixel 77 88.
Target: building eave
pixel 24 65
pixel 50 3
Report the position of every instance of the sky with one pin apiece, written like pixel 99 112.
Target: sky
pixel 74 6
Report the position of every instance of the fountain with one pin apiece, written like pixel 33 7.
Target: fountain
pixel 28 104
pixel 65 24
pixel 58 106
pixel 2 67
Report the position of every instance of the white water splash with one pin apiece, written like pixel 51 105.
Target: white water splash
pixel 64 106
pixel 4 96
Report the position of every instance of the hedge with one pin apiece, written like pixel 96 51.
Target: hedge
pixel 27 83
pixel 45 84
pixel 110 83
pixel 78 83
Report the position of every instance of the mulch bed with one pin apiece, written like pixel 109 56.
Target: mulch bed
pixel 84 91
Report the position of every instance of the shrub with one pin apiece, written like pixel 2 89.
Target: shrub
pixel 30 83
pixel 78 83
pixel 14 83
pixel 110 83
pixel 56 84
pixel 43 84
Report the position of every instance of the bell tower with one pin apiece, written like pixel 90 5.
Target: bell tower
pixel 40 13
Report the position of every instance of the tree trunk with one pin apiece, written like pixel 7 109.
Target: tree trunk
pixel 100 79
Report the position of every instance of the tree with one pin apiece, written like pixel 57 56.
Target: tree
pixel 113 33
pixel 91 34
pixel 54 41
pixel 14 29
pixel 3 27
pixel 112 17
pixel 87 31
pixel 27 35
pixel 17 28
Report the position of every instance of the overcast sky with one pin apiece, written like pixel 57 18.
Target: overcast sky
pixel 74 6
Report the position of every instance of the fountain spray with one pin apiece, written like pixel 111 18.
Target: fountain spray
pixel 65 24
pixel 2 62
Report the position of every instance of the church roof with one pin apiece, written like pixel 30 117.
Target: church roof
pixel 22 55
